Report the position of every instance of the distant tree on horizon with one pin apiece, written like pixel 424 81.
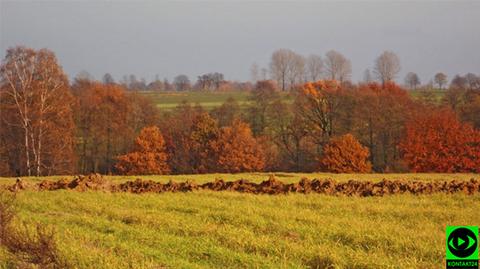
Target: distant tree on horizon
pixel 314 67
pixel 412 80
pixel 387 67
pixel 367 76
pixel 287 68
pixel 182 83
pixel 440 79
pixel 337 67
pixel 210 81
pixel 108 79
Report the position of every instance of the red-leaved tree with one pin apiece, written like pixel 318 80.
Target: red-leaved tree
pixel 438 142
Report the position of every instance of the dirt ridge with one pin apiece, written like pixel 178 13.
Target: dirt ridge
pixel 96 182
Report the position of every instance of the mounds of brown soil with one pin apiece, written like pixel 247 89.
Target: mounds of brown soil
pixel 270 186
pixel 241 185
pixel 182 186
pixel 217 185
pixel 19 186
pixel 468 187
pixel 141 186
pixel 188 186
pixel 95 182
pixel 326 186
pixel 47 185
pixel 353 188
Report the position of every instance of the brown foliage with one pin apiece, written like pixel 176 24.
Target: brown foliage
pixel 148 156
pixel 108 119
pixel 101 116
pixel 203 131
pixel 380 116
pixel 438 142
pixel 345 155
pixel 188 133
pixel 176 128
pixel 236 150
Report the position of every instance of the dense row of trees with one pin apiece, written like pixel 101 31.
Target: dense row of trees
pixel 51 126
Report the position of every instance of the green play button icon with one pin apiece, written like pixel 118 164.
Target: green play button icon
pixel 462 243
pixel 462 247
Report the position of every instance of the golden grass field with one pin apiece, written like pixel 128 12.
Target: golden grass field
pixel 205 229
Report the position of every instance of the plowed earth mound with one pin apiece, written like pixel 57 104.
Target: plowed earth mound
pixel 271 186
pixel 94 182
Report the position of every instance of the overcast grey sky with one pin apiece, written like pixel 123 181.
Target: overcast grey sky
pixel 170 38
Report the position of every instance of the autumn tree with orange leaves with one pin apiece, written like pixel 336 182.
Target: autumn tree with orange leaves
pixel 317 103
pixel 148 156
pixel 345 154
pixel 326 107
pixel 36 122
pixel 236 150
pixel 438 142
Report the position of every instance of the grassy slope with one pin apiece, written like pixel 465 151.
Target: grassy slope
pixel 210 99
pixel 232 230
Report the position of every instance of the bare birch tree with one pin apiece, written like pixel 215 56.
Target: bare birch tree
pixel 314 66
pixel 36 99
pixel 387 67
pixel 337 67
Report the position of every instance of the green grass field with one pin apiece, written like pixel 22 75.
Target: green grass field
pixel 207 229
pixel 210 99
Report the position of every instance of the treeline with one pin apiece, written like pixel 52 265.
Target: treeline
pixel 207 82
pixel 288 68
pixel 49 126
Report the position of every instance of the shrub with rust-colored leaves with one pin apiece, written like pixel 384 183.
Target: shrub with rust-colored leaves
pixel 237 150
pixel 438 142
pixel 148 157
pixel 345 155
